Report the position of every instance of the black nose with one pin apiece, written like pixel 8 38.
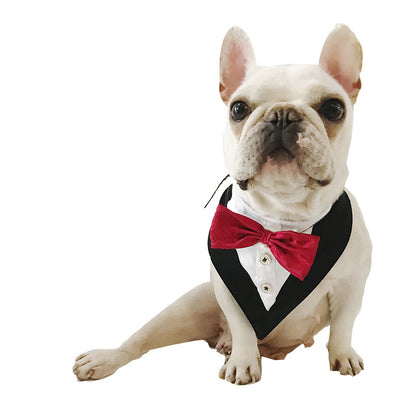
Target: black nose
pixel 282 126
pixel 283 117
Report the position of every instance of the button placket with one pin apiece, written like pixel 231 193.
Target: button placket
pixel 265 270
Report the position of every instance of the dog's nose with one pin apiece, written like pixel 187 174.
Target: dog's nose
pixel 283 116
pixel 282 126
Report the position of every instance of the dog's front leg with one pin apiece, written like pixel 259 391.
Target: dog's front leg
pixel 244 364
pixel 194 316
pixel 344 304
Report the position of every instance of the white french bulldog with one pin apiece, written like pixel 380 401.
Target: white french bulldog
pixel 286 145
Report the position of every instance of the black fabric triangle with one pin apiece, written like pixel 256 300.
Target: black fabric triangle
pixel 334 230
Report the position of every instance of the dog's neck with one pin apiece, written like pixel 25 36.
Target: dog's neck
pixel 302 207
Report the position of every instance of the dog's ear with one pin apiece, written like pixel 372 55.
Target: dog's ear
pixel 342 57
pixel 237 56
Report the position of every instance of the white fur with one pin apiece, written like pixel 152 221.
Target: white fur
pixel 286 191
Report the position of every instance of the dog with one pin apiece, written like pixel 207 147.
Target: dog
pixel 305 253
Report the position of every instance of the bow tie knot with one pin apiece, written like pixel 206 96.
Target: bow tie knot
pixel 294 251
pixel 266 236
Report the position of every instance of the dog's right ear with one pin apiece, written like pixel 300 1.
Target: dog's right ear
pixel 237 56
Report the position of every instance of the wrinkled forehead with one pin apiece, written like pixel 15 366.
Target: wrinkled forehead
pixel 288 83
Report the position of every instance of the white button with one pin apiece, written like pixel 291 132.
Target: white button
pixel 266 288
pixel 265 259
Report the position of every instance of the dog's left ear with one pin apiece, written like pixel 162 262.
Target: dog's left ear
pixel 237 56
pixel 342 58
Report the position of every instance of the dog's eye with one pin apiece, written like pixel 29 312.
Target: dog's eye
pixel 239 110
pixel 332 109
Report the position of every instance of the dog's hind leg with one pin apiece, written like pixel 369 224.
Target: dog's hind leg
pixel 194 316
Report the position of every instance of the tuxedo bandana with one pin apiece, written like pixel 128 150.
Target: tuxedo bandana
pixel 303 259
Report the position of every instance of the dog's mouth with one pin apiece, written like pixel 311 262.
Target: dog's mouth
pixel 243 184
pixel 298 153
pixel 282 155
pixel 286 162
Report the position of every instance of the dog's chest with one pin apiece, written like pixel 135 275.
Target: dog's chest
pixel 266 292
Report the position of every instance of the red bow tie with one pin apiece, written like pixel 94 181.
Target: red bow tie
pixel 294 251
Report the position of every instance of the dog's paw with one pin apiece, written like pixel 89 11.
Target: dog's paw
pixel 241 369
pixel 346 362
pixel 98 364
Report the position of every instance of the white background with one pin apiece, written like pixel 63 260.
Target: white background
pixel 111 127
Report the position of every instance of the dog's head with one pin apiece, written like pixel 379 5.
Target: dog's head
pixel 289 126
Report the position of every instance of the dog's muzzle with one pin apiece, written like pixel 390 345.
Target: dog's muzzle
pixel 280 130
pixel 277 137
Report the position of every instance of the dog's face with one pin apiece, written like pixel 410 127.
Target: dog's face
pixel 289 126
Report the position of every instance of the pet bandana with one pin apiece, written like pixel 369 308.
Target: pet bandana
pixel 305 259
